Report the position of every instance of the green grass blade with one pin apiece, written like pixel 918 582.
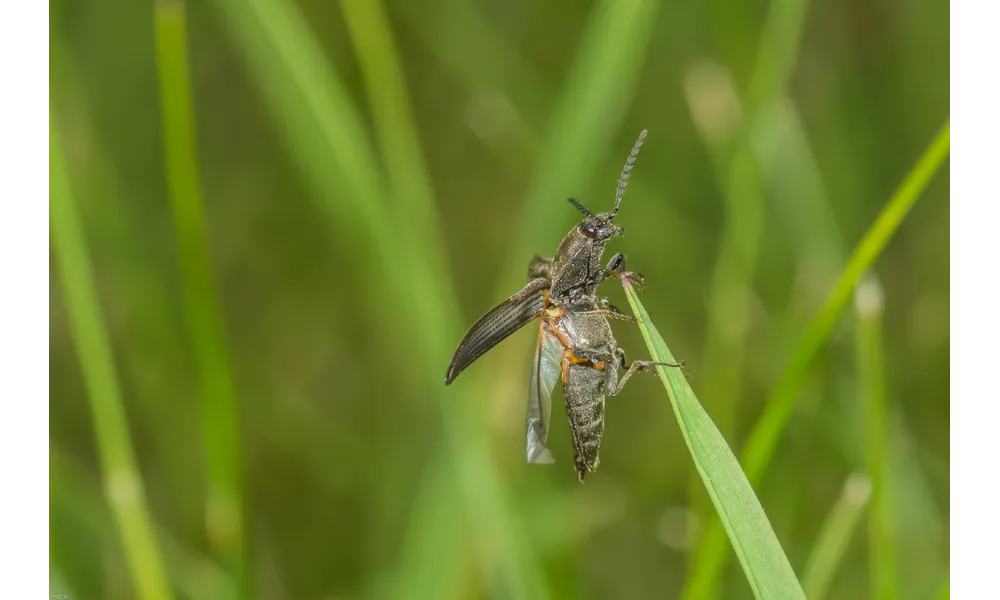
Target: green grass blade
pixel 767 569
pixel 715 110
pixel 123 487
pixel 834 536
pixel 57 582
pixel 871 374
pixel 414 210
pixel 434 558
pixel 763 440
pixel 433 525
pixel 395 126
pixel 326 133
pixel 740 176
pixel 225 516
pixel 710 555
pixel 195 576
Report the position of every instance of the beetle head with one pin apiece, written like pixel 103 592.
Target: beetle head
pixel 600 227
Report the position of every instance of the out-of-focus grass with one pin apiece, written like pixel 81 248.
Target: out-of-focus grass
pixel 358 490
pixel 764 562
pixel 122 483
pixel 603 73
pixel 398 138
pixel 729 128
pixel 710 555
pixel 309 99
pixel 716 111
pixel 761 444
pixel 945 592
pixel 436 530
pixel 226 505
pixel 56 581
pixel 196 577
pixel 868 305
pixel 837 531
pixel 919 522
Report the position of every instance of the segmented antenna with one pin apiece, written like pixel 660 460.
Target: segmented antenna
pixel 623 182
pixel 580 207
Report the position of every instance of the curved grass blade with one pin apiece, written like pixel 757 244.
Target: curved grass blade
pixel 710 555
pixel 123 487
pixel 767 568
pixel 225 506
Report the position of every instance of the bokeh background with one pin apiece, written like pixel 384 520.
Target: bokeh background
pixel 291 227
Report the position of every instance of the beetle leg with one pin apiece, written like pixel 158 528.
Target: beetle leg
pixel 605 303
pixel 616 269
pixel 609 310
pixel 611 313
pixel 616 263
pixel 640 365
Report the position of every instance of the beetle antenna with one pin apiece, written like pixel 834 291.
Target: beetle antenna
pixel 623 182
pixel 580 207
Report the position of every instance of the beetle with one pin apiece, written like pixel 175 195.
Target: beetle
pixel 576 268
pixel 572 275
pixel 575 342
pixel 576 345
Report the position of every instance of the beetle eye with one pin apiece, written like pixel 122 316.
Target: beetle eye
pixel 589 231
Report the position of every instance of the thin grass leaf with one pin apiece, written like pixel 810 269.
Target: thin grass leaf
pixel 764 562
pixel 434 558
pixel 715 110
pixel 601 78
pixel 225 505
pixel 395 127
pixel 417 225
pixel 123 487
pixel 324 131
pixel 871 375
pixel 195 575
pixel 764 438
pixel 740 175
pixel 57 583
pixel 920 521
pixel 834 536
pixel 330 142
pixel 710 555
pixel 414 208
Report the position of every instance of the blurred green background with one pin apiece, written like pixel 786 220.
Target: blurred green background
pixel 293 210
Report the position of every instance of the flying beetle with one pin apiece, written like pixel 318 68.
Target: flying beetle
pixel 575 341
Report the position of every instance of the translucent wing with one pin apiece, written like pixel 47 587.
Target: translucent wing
pixel 495 326
pixel 545 373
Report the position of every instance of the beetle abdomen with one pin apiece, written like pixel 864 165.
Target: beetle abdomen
pixel 584 393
